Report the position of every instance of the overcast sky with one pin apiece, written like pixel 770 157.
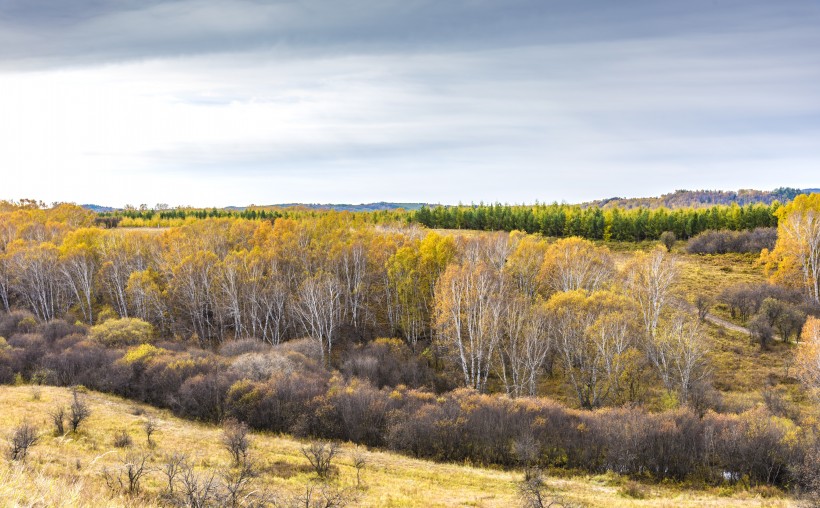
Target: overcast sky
pixel 217 102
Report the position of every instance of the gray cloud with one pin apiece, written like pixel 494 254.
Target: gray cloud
pixel 68 32
pixel 432 100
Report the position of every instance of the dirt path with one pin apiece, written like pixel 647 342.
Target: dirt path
pixel 723 323
pixel 727 324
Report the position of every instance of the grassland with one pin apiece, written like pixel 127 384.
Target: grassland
pixel 66 470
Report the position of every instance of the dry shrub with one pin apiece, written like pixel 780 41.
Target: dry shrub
pixel 122 439
pixel 634 490
pixel 23 437
pixel 320 456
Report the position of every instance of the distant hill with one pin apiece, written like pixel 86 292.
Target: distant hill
pixel 703 198
pixel 677 199
pixel 98 208
pixel 364 207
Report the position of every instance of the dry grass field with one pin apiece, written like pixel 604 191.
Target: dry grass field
pixel 66 471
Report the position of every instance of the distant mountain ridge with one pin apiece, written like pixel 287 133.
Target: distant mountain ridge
pixel 677 199
pixel 99 208
pixel 702 198
pixel 340 207
pixel 364 207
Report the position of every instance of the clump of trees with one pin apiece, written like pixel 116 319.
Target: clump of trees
pixel 768 310
pixel 723 241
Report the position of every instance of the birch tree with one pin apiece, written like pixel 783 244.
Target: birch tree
pixel 650 278
pixel 524 345
pixel 574 263
pixel 678 353
pixel 592 335
pixel 318 308
pixel 193 286
pixel 795 259
pixel 35 277
pixel 79 263
pixel 468 314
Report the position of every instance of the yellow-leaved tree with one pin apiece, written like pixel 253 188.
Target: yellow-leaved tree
pixel 807 356
pixel 795 260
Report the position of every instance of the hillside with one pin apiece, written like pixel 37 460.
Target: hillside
pixel 342 207
pixel 338 207
pixel 677 199
pixel 702 198
pixel 66 470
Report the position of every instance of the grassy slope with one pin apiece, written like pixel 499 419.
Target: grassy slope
pixel 740 369
pixel 65 471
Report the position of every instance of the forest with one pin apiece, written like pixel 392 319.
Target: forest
pixel 544 338
pixel 554 220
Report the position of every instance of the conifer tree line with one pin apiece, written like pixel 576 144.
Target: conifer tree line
pixel 594 223
pixel 553 220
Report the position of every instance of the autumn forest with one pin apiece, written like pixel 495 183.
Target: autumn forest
pixel 677 345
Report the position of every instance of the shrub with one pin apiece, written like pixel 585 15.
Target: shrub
pixel 634 490
pixel 150 426
pixel 122 439
pixel 142 354
pixel 322 495
pixel 122 332
pixel 668 240
pixel 57 329
pixel 320 456
pixel 703 304
pixel 126 477
pixel 243 346
pixel 15 322
pixel 359 460
pixel 78 412
pixel 722 242
pixel 172 467
pixel 387 362
pixel 202 397
pixel 22 438
pixel 362 412
pixel 761 331
pixel 534 493
pixel 197 490
pixel 235 483
pixel 57 416
pixel 235 439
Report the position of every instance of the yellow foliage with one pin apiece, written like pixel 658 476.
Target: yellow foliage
pixel 574 263
pixel 142 353
pixel 122 332
pixel 795 259
pixel 807 357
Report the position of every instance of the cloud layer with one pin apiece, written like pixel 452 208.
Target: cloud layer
pixel 214 102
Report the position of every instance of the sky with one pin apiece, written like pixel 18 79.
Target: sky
pixel 218 102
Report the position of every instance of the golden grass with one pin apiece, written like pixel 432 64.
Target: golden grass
pixel 65 471
pixel 710 274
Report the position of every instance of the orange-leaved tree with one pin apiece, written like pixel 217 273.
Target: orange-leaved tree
pixel 795 259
